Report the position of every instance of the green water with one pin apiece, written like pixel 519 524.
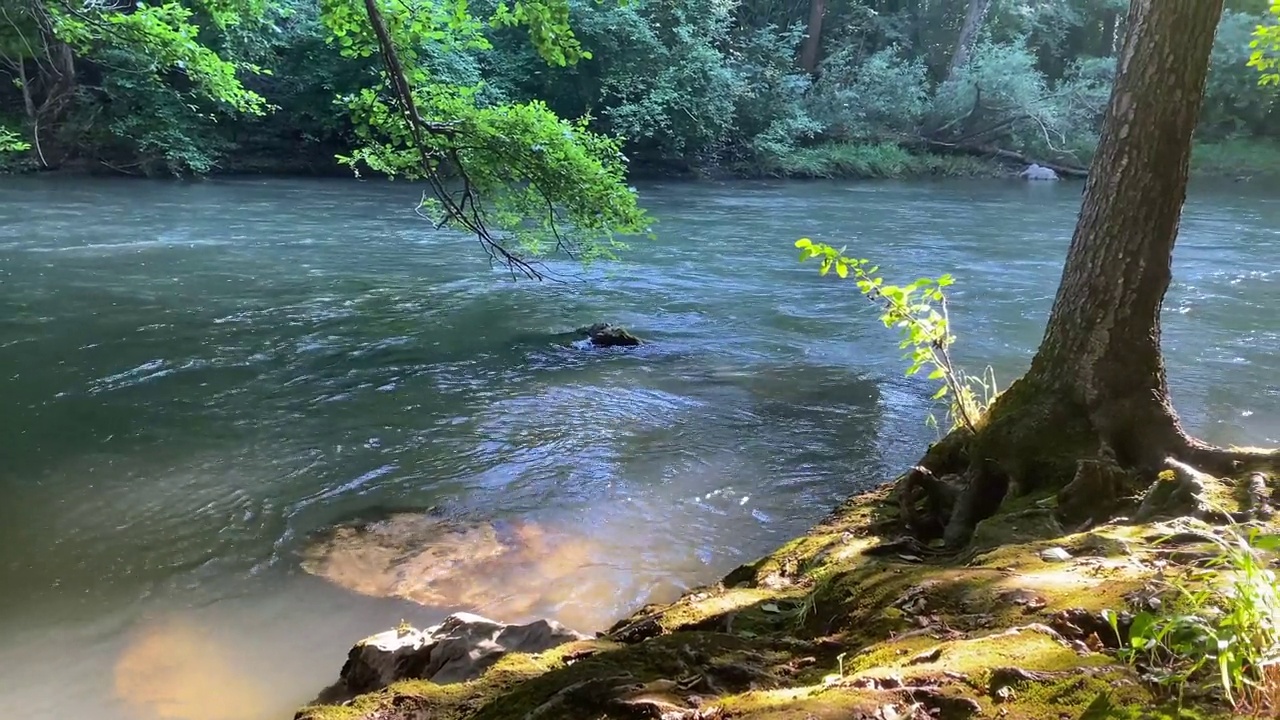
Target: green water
pixel 193 377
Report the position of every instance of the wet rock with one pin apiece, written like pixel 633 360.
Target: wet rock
pixel 517 569
pixel 459 649
pixel 634 632
pixel 1038 172
pixel 606 335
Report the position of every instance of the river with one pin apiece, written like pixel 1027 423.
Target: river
pixel 196 376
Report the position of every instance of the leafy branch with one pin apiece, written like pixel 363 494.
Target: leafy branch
pixel 523 181
pixel 919 311
pixel 11 142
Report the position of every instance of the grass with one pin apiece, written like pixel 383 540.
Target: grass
pixel 875 161
pixel 1223 628
pixel 1240 158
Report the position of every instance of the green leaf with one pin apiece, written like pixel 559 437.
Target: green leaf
pixel 942 391
pixel 842 270
pixel 804 243
pixel 1268 543
pixel 1141 627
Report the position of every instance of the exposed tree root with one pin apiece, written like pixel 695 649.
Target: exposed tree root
pixel 1130 459
pixel 1227 461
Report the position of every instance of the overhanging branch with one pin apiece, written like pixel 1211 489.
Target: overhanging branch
pixel 455 209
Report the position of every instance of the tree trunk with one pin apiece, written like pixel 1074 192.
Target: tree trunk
pixel 1094 407
pixel 1102 343
pixel 973 17
pixel 813 36
pixel 28 103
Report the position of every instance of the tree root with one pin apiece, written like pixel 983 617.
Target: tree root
pixel 967 478
pixel 1179 492
pixel 1257 501
pixel 919 487
pixel 1226 461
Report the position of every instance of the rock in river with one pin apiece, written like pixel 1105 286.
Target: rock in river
pixel 434 561
pixel 514 569
pixel 606 335
pixel 1038 172
pixel 459 649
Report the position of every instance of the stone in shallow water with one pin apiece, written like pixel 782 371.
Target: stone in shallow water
pixel 1038 172
pixel 515 570
pixel 179 670
pixel 459 649
pixel 606 335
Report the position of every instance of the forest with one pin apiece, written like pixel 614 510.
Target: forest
pixel 821 88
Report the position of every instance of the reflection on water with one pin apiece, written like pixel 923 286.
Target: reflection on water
pixel 178 670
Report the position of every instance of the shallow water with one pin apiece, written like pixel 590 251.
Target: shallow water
pixel 196 377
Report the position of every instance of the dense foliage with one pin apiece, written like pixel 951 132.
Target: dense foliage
pixel 197 86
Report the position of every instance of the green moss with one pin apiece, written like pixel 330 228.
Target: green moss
pixel 458 700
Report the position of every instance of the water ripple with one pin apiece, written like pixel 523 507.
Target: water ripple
pixel 199 390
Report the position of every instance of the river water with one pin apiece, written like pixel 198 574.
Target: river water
pixel 195 377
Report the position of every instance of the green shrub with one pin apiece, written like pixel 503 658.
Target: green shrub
pixel 886 94
pixel 1235 102
pixel 873 161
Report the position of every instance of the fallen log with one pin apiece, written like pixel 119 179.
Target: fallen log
pixel 984 151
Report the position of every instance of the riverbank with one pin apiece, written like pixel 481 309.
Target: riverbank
pixel 1242 159
pixel 850 621
pixel 1239 159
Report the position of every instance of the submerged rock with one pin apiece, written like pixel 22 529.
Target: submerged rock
pixel 183 670
pixel 1038 172
pixel 515 569
pixel 441 562
pixel 606 335
pixel 459 649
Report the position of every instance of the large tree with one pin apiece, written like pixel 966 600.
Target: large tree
pixel 1092 419
pixel 975 13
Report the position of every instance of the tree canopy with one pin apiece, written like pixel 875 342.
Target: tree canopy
pixel 745 86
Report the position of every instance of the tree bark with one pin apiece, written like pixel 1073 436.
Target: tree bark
pixel 1092 416
pixel 1102 342
pixel 973 18
pixel 813 36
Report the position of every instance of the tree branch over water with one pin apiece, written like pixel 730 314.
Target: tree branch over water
pixel 525 183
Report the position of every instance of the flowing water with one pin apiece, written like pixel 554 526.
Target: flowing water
pixel 194 378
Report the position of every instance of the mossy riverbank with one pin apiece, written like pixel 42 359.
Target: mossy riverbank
pixel 850 621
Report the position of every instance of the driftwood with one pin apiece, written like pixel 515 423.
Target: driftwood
pixel 984 151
